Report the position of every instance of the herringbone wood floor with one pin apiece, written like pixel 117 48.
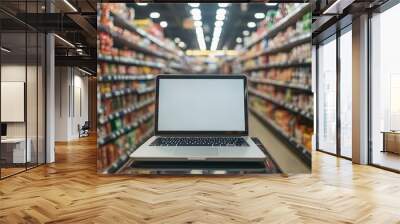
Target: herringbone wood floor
pixel 70 191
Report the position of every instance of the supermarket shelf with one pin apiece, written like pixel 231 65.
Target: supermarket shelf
pixel 124 130
pixel 121 42
pixel 122 160
pixel 121 22
pixel 287 106
pixel 126 91
pixel 280 65
pixel 297 147
pixel 282 24
pixel 121 77
pixel 125 111
pixel 303 88
pixel 288 46
pixel 128 61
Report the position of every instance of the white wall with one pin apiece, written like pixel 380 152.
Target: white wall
pixel 34 125
pixel 71 92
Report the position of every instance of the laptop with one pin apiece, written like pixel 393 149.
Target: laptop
pixel 200 118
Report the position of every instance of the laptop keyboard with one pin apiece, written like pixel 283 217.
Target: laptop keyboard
pixel 199 141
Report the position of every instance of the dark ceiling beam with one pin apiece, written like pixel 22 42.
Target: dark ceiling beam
pixel 79 61
pixel 84 24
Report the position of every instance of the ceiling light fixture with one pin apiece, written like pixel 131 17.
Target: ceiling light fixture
pixel 70 5
pixel 197 17
pixel 246 33
pixel 154 15
pixel 195 11
pixel 177 39
pixel 200 38
pixel 198 23
pixel 219 23
pixel 141 4
pixel 238 40
pixel 271 4
pixel 221 11
pixel 84 71
pixel 5 49
pixel 163 24
pixel 223 5
pixel 220 17
pixel 194 5
pixel 251 24
pixel 64 40
pixel 259 15
pixel 182 44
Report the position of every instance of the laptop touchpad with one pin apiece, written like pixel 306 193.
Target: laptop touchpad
pixel 197 151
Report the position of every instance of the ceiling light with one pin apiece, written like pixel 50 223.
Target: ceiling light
pixel 197 17
pixel 5 49
pixel 195 11
pixel 198 23
pixel 259 15
pixel 78 50
pixel 177 39
pixel 223 5
pixel 155 15
pixel 238 40
pixel 214 44
pixel 84 71
pixel 220 17
pixel 217 31
pixel 271 4
pixel 251 24
pixel 194 5
pixel 200 38
pixel 182 45
pixel 70 5
pixel 65 41
pixel 219 23
pixel 246 32
pixel 221 11
pixel 163 24
pixel 141 4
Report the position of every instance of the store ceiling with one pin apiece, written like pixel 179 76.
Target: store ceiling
pixel 237 17
pixel 72 20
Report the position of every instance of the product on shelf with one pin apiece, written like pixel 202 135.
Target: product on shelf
pixel 291 76
pixel 287 123
pixel 298 54
pixel 129 58
pixel 276 60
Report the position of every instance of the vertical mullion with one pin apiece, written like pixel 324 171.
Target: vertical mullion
pixel 0 92
pixel 338 95
pixel 369 96
pixel 317 97
pixel 37 90
pixel 26 86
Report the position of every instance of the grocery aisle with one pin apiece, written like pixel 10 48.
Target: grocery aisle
pixel 271 46
pixel 288 161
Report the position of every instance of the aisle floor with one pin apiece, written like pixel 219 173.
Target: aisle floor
pixel 285 157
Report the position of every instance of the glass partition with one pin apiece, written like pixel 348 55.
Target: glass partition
pixel 385 89
pixel 22 89
pixel 327 96
pixel 346 93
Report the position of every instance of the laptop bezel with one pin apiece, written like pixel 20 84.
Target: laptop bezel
pixel 201 133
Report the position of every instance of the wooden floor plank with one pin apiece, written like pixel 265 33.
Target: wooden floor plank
pixel 70 191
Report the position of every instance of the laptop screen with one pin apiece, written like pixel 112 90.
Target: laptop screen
pixel 198 105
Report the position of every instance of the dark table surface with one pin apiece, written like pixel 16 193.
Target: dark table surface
pixel 268 166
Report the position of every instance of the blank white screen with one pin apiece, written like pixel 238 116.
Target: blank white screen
pixel 201 105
